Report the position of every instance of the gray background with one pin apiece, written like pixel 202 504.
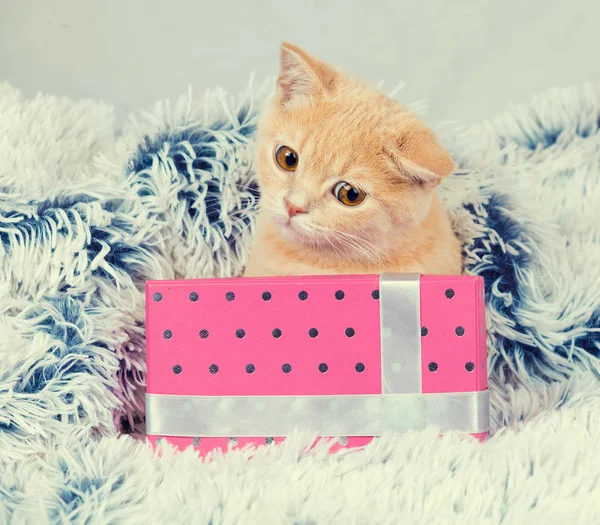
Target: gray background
pixel 468 60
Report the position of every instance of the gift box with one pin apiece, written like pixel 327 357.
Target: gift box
pixel 232 362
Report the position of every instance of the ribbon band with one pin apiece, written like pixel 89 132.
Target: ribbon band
pixel 400 320
pixel 361 415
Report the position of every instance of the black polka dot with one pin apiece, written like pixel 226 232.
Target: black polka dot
pixel 240 333
pixel 469 367
pixel 313 332
pixel 460 331
pixel 323 368
pixel 157 297
pixel 230 296
pixel 177 369
pixel 193 297
pixel 375 294
pixel 424 331
pixel 167 334
pixel 266 296
pixel 196 441
pixel 339 295
pixel 203 334
pixel 432 367
pixel 233 441
pixel 303 296
pixel 449 293
pixel 213 369
pixel 359 367
pixel 287 368
pixel 276 333
pixel 269 440
pixel 250 369
pixel 350 332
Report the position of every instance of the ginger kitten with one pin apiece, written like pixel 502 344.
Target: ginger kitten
pixel 347 179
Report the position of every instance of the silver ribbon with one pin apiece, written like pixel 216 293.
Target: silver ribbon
pixel 400 318
pixel 262 416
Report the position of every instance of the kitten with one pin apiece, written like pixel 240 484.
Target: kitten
pixel 347 179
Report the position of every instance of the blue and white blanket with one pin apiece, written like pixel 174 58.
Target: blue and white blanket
pixel 87 215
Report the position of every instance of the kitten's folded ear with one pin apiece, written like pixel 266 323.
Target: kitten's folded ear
pixel 302 76
pixel 422 159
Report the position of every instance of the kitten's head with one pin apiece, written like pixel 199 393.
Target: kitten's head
pixel 339 163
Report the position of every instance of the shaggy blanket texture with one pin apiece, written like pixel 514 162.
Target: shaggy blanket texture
pixel 87 215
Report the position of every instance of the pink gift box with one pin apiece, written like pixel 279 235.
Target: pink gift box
pixel 232 362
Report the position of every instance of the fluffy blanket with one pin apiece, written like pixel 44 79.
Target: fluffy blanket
pixel 88 214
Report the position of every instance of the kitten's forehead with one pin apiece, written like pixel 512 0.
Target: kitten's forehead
pixel 325 152
pixel 333 136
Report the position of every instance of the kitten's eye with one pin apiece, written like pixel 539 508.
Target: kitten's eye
pixel 348 195
pixel 286 158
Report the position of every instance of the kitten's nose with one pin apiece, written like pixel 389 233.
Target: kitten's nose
pixel 292 209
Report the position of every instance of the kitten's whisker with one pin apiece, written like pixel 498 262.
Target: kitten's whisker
pixel 334 247
pixel 217 206
pixel 367 247
pixel 360 239
pixel 236 219
pixel 353 243
pixel 362 250
pixel 362 245
pixel 237 238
